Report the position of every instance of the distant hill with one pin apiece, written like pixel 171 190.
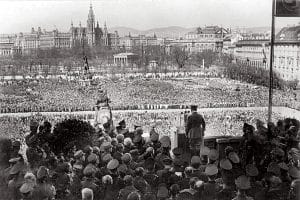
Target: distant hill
pixel 171 31
pixel 177 31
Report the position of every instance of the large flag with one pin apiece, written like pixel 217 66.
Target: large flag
pixel 287 8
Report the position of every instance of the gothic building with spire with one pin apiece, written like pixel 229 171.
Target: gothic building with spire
pixel 91 34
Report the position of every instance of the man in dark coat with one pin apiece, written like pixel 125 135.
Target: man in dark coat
pixel 195 127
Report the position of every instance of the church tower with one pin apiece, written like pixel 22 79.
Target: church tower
pixel 91 27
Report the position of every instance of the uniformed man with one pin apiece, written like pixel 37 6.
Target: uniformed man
pixel 123 194
pixel 44 189
pixel 211 188
pixel 242 184
pixel 195 128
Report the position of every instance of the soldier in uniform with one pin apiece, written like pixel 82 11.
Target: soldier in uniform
pixel 195 128
pixel 242 184
pixel 123 194
pixel 211 188
pixel 43 190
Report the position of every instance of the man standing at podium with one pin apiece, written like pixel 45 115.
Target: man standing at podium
pixel 195 127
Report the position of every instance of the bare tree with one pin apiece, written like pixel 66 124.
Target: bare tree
pixel 180 56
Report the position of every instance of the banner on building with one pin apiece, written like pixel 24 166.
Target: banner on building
pixel 287 8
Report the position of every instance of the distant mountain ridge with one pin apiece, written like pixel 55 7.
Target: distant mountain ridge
pixel 178 31
pixel 170 31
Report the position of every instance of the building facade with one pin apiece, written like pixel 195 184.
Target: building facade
pixel 25 43
pixel 256 53
pixel 207 38
pixel 129 42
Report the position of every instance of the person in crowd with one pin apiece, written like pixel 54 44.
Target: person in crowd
pixel 195 127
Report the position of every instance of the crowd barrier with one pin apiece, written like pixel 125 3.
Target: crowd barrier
pixel 136 107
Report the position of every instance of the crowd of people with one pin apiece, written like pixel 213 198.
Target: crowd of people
pixel 166 123
pixel 135 93
pixel 123 165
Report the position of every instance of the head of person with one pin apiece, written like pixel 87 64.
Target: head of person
pixel 134 196
pixel 174 190
pixel 87 194
pixel 192 182
pixel 128 180
pixel 194 108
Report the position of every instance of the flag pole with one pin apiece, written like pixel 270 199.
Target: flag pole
pixel 271 63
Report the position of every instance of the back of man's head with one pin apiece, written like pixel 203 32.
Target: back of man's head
pixel 87 194
pixel 193 108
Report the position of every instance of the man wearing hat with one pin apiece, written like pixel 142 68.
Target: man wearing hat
pixel 211 188
pixel 150 175
pixel 197 171
pixel 121 128
pixel 154 137
pixel 44 189
pixel 89 180
pixel 123 194
pixel 242 184
pixel 195 127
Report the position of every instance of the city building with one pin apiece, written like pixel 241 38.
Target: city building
pixel 125 59
pixel 26 43
pixel 207 38
pixel 256 53
pixel 129 42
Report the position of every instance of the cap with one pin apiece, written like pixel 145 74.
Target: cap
pixel 89 171
pixel 128 179
pixel 96 150
pixel 165 141
pixel 134 152
pixel 251 170
pixel 134 196
pixel 87 149
pixel 154 136
pixel 213 154
pixel 177 151
pixel 194 107
pixel 92 158
pixel 139 131
pixel 126 157
pixel 107 179
pixel 112 164
pixel 127 141
pixel 120 137
pixel 106 158
pixel 106 145
pixel 78 154
pixel 195 160
pixel 30 177
pixel 211 169
pixel 205 151
pixel 233 157
pixel 242 182
pixel 122 168
pixel 273 168
pixel 26 188
pixel 149 149
pixel 225 164
pixel 294 172
pixel 188 169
